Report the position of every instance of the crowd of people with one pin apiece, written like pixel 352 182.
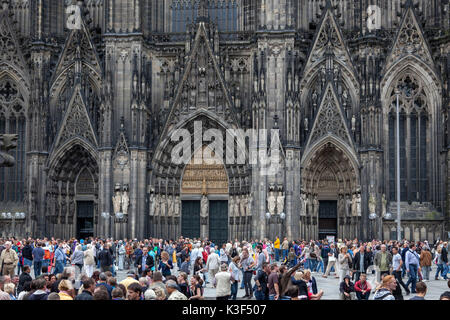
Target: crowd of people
pixel 181 269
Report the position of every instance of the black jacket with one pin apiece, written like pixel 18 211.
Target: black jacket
pixel 105 258
pixel 357 258
pixel 85 295
pixel 148 262
pixel 343 287
pixel 24 277
pixel 42 296
pixel 27 252
pixel 444 254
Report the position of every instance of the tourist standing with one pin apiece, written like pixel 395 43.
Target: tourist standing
pixel 89 260
pixel 235 276
pixel 261 281
pixel 247 264
pixel 276 246
pixel 383 260
pixel 223 283
pixel 360 262
pixel 344 260
pixel 425 262
pixel 8 260
pixel 77 259
pixel 397 263
pixel 412 266
pixel 105 259
pixel 212 265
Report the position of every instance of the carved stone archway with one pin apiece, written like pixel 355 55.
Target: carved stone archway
pixel 69 172
pixel 330 176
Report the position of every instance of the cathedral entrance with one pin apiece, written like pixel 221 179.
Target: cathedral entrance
pixel 327 219
pixel 85 219
pixel 204 195
pixel 330 182
pixel 190 218
pixel 218 221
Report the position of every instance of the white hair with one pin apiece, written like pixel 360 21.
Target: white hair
pixel 149 294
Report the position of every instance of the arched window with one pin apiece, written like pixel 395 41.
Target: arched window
pixel 13 121
pixel 413 129
pixel 224 13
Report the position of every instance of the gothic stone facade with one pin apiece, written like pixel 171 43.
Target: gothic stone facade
pixel 95 106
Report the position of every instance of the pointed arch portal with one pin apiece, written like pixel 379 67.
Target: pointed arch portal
pixel 208 216
pixel 330 180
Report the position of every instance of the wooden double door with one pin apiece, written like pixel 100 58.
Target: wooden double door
pixel 218 220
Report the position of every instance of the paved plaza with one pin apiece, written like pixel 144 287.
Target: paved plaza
pixel 329 285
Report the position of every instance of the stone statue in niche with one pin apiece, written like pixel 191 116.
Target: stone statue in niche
pixel 383 205
pixel 271 202
pixel 354 205
pixel 316 206
pixel 243 205
pixel 170 206
pixel 237 203
pixel 231 206
pixel 152 203
pixel 125 200
pixel 249 204
pixel 157 205
pixel 358 205
pixel 348 206
pixel 280 202
pixel 163 205
pixel 204 206
pixel 177 206
pixel 372 203
pixel 117 200
pixel 303 204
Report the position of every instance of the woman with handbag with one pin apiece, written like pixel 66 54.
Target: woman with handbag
pixel 344 260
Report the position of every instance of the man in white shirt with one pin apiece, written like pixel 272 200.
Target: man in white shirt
pixel 223 283
pixel 212 265
pixel 397 263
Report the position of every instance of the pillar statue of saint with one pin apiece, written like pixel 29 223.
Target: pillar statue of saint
pixel 204 210
pixel 316 206
pixel 243 205
pixel 280 202
pixel 231 206
pixel 125 200
pixel 271 202
pixel 117 201
pixel 157 205
pixel 354 210
pixel 163 205
pixel 177 207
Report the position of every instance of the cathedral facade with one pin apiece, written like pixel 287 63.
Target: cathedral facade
pixel 96 89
